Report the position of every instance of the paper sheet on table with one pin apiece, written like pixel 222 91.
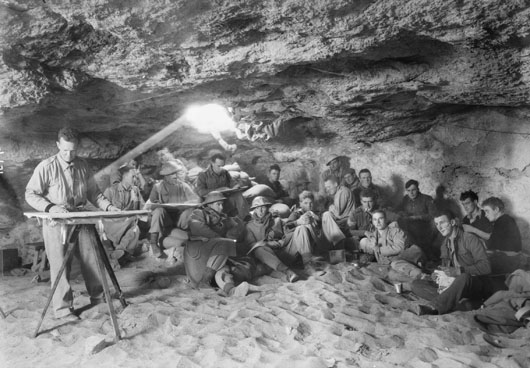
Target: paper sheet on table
pixel 171 206
pixel 228 191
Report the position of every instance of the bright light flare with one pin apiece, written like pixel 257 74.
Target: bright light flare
pixel 210 118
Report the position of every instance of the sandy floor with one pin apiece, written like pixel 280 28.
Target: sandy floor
pixel 339 316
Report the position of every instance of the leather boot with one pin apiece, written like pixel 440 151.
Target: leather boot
pixel 206 280
pixel 225 281
pixel 155 248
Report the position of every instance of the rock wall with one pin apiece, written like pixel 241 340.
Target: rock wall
pixel 409 89
pixel 372 69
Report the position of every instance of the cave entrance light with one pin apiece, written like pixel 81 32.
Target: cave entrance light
pixel 209 118
pixel 213 119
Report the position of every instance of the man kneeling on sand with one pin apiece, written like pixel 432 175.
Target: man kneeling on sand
pixel 213 237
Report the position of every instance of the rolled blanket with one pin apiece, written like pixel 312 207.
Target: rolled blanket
pixel 232 167
pixel 281 209
pixel 259 190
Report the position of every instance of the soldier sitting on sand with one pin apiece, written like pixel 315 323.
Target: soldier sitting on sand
pixel 213 238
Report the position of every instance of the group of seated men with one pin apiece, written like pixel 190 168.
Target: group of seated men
pixel 215 228
pixel 485 243
pixel 229 241
pixel 401 237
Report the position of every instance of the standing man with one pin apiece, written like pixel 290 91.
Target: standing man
pixel 126 196
pixel 335 219
pixel 273 181
pixel 464 258
pixel 59 184
pixel 216 178
pixel 475 220
pixel 172 189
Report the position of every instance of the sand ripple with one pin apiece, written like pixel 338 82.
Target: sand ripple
pixel 340 316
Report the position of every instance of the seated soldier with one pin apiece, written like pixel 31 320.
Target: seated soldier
pixel 415 212
pixel 350 180
pixel 360 219
pixel 365 182
pixel 303 215
pixel 444 202
pixel 172 189
pixel 301 185
pixel 265 232
pixel 216 178
pixel 335 220
pixel 336 168
pixel 475 220
pixel 213 238
pixel 140 181
pixel 124 232
pixel 273 182
pixel 505 235
pixel 464 258
pixel 388 243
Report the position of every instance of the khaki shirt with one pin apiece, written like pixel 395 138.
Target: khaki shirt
pixel 50 184
pixel 391 240
pixel 343 204
pixel 164 192
pixel 469 252
pixel 422 206
pixel 208 181
pixel 360 219
pixel 126 199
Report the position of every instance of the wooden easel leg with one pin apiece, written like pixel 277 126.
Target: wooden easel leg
pixel 110 271
pixel 107 292
pixel 71 240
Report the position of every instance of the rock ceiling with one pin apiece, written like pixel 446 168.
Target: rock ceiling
pixel 370 70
